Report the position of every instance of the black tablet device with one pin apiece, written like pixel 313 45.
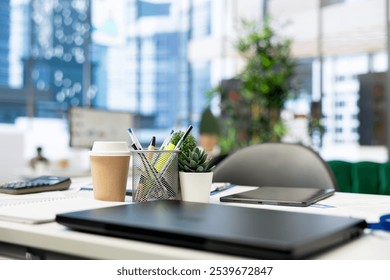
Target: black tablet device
pixel 289 196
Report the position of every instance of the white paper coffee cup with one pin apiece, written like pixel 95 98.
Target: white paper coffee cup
pixel 109 169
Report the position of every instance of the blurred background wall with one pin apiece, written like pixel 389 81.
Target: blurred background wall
pixel 156 60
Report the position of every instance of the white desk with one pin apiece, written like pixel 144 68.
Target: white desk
pixel 57 239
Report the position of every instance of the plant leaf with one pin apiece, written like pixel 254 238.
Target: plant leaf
pixel 200 169
pixel 193 164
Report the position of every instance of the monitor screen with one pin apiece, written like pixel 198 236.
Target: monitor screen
pixel 87 125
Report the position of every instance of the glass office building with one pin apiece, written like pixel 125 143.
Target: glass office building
pixel 46 58
pixel 89 53
pixel 157 59
pixel 4 39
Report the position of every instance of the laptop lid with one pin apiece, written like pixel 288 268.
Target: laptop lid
pixel 249 232
pixel 289 196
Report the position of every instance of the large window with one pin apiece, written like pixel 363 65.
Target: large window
pixel 47 58
pixel 131 56
pixel 154 59
pixel 341 62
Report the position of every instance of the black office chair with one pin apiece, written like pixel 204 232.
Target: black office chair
pixel 275 164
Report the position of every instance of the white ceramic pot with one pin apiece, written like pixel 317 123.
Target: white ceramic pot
pixel 195 186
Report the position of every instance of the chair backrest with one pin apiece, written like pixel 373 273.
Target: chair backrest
pixel 275 164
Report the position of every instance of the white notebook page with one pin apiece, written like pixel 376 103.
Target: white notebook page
pixel 35 210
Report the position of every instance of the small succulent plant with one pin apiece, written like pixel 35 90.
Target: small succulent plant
pixel 194 161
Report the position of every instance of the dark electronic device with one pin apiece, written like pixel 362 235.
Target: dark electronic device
pixel 288 196
pixel 39 184
pixel 249 232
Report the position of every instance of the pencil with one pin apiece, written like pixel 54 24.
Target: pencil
pixel 151 147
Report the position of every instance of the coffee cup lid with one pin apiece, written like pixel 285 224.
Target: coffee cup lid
pixel 110 148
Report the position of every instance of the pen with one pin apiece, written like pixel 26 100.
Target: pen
pixel 176 148
pixel 163 158
pixel 219 187
pixel 167 139
pixel 134 139
pixel 163 146
pixel 185 135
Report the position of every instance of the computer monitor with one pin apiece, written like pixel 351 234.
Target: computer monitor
pixel 87 125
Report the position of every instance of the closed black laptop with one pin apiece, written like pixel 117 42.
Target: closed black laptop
pixel 249 232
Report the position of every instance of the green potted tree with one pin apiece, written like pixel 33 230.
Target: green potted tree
pixel 251 102
pixel 209 133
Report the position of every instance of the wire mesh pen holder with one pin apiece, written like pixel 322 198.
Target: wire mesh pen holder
pixel 155 175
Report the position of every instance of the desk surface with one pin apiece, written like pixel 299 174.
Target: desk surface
pixel 57 238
